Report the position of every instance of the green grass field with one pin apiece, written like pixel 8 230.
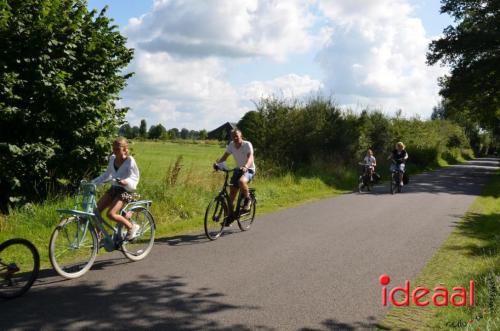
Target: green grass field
pixel 181 192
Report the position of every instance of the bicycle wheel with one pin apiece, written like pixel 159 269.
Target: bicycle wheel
pixel 19 267
pixel 360 184
pixel 215 216
pixel 246 218
pixel 392 184
pixel 139 248
pixel 73 247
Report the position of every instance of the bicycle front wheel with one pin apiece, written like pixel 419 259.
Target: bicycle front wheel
pixel 19 267
pixel 73 247
pixel 246 217
pixel 139 247
pixel 215 216
pixel 392 184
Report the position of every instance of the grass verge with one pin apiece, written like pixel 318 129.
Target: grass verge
pixel 180 181
pixel 472 251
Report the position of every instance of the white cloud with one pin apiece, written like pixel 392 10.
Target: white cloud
pixel 228 28
pixel 376 56
pixel 372 53
pixel 289 86
pixel 182 93
pixel 184 47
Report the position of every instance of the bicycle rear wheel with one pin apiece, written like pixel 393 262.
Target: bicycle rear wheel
pixel 19 267
pixel 215 216
pixel 246 218
pixel 139 248
pixel 73 247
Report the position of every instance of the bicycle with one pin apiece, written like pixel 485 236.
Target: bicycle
pixel 396 178
pixel 220 211
pixel 77 238
pixel 19 267
pixel 366 179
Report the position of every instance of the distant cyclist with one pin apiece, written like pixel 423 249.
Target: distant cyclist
pixel 399 156
pixel 370 163
pixel 242 152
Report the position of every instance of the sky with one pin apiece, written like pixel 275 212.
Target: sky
pixel 200 63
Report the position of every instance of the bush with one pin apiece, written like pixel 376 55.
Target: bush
pixel 60 72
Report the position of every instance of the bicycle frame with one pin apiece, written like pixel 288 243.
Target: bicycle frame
pixel 232 214
pixel 93 219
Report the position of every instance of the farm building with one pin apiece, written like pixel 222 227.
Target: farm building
pixel 223 132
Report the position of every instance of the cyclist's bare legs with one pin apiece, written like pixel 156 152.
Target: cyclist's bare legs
pixel 243 185
pixel 232 193
pixel 114 209
pixel 104 202
pixel 114 213
pixel 370 172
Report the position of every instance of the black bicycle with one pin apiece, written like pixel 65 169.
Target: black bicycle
pixel 366 179
pixel 221 213
pixel 396 178
pixel 19 267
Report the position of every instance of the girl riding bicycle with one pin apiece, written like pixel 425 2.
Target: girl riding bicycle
pixel 123 169
pixel 370 163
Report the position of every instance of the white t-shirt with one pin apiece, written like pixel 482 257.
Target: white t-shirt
pixel 370 160
pixel 241 154
pixel 128 170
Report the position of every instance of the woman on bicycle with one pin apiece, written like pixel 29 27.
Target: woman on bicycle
pixel 399 157
pixel 123 169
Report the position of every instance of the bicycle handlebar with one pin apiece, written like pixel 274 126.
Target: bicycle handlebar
pixel 217 168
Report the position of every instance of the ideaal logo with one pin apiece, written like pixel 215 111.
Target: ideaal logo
pixel 422 296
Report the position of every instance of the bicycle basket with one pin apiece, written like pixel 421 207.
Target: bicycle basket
pixel 85 198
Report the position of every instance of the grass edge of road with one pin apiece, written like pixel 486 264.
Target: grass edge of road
pixel 471 252
pixel 175 219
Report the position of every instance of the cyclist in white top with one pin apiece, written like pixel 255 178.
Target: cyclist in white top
pixel 123 168
pixel 242 152
pixel 370 162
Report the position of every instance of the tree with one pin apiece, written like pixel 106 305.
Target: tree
pixel 471 49
pixel 61 70
pixel 251 124
pixel 135 132
pixel 184 133
pixel 203 134
pixel 174 133
pixel 143 129
pixel 126 131
pixel 156 131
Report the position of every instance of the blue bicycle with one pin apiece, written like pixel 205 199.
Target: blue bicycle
pixel 82 231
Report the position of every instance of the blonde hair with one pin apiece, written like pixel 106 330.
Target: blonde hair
pixel 400 144
pixel 121 141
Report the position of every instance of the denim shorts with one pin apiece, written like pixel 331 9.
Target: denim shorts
pixel 400 167
pixel 237 175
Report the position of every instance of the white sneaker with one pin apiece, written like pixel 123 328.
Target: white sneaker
pixel 133 232
pixel 248 204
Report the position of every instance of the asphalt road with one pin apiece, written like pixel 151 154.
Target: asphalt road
pixel 313 267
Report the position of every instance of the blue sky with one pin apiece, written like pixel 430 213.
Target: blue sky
pixel 200 63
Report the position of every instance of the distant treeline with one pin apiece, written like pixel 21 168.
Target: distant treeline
pixel 294 135
pixel 160 132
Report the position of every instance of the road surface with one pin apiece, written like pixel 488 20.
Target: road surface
pixel 313 267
